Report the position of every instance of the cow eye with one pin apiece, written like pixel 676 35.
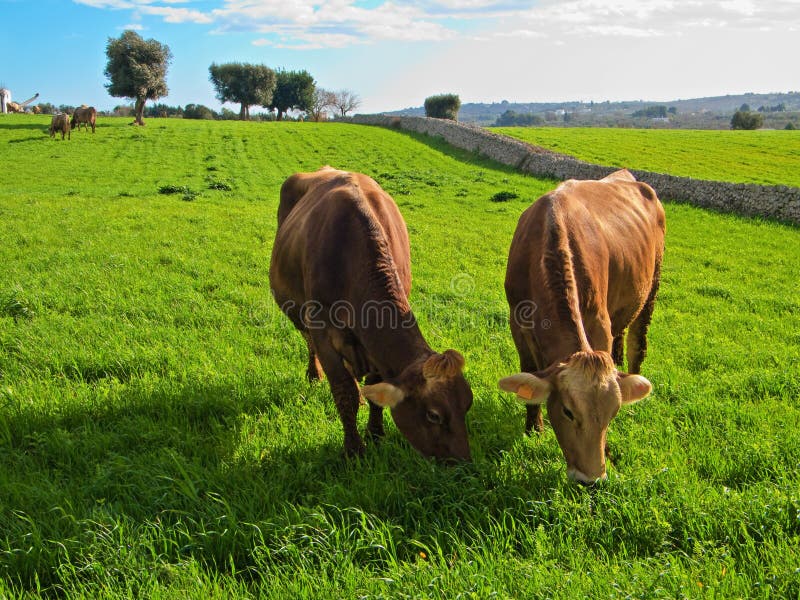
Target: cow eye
pixel 434 417
pixel 568 414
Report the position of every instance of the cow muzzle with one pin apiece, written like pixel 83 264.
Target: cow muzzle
pixel 583 479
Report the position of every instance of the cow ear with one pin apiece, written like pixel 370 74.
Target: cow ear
pixel 443 366
pixel 634 388
pixel 383 394
pixel 528 388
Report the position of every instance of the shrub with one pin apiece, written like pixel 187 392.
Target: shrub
pixel 790 126
pixel 443 106
pixel 504 196
pixel 747 120
pixel 198 111
pixel 219 186
pixel 187 193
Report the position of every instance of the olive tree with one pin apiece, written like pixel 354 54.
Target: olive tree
pixel 243 83
pixel 294 90
pixel 137 69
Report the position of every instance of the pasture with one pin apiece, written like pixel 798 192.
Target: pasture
pixel 158 438
pixel 764 157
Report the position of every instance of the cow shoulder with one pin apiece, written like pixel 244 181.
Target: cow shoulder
pixel 621 175
pixel 298 185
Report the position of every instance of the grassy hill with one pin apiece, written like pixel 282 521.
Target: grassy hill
pixel 158 439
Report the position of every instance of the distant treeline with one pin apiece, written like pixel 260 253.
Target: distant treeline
pixel 659 111
pixel 190 111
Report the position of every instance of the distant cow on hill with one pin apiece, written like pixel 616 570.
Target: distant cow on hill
pixel 60 122
pixel 84 115
pixel 341 272
pixel 584 261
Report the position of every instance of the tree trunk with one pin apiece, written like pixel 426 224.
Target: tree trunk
pixel 244 113
pixel 139 111
pixel 280 115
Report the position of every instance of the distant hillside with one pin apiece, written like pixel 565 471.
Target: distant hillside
pixel 712 112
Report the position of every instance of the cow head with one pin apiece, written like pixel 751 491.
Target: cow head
pixel 582 396
pixel 429 401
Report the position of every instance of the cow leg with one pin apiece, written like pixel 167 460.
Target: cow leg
pixel 637 332
pixel 527 364
pixel 375 430
pixel 617 349
pixel 345 392
pixel 533 418
pixel 314 371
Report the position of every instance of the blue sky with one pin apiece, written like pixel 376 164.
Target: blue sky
pixel 394 54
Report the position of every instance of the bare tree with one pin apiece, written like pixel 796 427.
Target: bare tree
pixel 346 101
pixel 320 103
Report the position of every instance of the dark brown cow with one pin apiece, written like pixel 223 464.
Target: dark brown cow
pixel 60 122
pixel 341 272
pixel 84 115
pixel 584 265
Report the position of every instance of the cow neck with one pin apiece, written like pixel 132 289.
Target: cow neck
pixel 391 349
pixel 393 340
pixel 566 333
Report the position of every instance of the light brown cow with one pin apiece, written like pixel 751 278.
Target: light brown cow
pixel 60 122
pixel 341 272
pixel 84 115
pixel 584 265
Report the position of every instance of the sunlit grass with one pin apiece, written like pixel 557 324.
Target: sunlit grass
pixel 764 157
pixel 158 439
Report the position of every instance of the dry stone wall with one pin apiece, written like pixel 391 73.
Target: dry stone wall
pixel 778 202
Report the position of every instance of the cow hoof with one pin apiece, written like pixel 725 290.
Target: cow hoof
pixel 537 428
pixel 355 451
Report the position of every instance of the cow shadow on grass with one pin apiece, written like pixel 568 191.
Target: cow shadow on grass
pixel 208 470
pixel 37 138
pixel 29 126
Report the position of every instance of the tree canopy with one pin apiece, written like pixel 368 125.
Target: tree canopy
pixel 137 69
pixel 294 90
pixel 512 118
pixel 243 83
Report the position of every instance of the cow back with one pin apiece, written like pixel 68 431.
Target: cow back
pixel 589 247
pixel 340 238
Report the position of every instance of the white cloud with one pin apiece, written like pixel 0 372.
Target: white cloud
pixel 307 24
pixel 329 24
pixel 641 18
pixel 302 41
pixel 113 4
pixel 176 15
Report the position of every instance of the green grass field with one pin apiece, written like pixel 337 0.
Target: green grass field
pixel 764 157
pixel 158 438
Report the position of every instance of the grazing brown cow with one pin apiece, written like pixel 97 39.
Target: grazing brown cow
pixel 60 122
pixel 84 115
pixel 584 265
pixel 341 272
